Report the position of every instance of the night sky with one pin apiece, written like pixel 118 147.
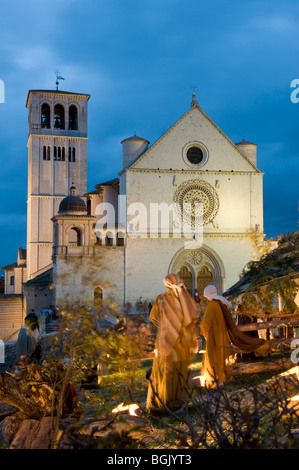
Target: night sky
pixel 139 60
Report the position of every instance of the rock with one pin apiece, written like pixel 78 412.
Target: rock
pixel 43 438
pixel 26 434
pixel 9 427
pixel 5 410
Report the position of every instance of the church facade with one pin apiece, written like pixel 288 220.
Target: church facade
pixel 133 219
pixel 191 203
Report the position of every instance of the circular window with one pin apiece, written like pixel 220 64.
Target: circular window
pixel 189 195
pixel 195 154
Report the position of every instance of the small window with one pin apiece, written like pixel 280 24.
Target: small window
pixel 109 239
pixel 12 280
pixel 63 154
pixel 120 240
pixel 72 154
pixel 46 153
pixel 45 116
pixel 55 153
pixel 195 154
pixel 73 118
pixel 88 205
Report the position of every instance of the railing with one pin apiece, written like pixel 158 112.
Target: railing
pixel 284 323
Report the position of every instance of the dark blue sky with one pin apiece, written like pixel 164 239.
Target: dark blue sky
pixel 139 60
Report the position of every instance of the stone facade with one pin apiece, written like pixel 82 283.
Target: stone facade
pixel 123 243
pixel 221 175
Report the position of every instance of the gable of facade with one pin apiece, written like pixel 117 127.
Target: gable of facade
pixel 195 129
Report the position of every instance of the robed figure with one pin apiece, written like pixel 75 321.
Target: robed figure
pixel 219 330
pixel 174 313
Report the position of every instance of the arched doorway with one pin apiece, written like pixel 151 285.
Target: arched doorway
pixel 204 278
pixel 198 268
pixel 186 276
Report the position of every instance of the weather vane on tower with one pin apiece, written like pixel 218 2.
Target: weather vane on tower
pixel 58 77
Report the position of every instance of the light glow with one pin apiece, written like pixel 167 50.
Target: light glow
pixel 130 408
pixel 201 380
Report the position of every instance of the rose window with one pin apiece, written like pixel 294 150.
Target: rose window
pixel 196 200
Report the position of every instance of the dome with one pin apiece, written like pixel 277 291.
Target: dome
pixel 245 142
pixel 72 204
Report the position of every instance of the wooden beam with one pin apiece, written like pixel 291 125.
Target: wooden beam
pixel 274 343
pixel 270 324
pixel 256 367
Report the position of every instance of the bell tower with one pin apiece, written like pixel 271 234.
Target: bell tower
pixel 57 157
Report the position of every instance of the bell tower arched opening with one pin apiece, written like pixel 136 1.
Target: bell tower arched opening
pixel 59 120
pixel 73 118
pixel 45 116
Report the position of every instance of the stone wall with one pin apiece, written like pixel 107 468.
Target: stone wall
pixel 11 316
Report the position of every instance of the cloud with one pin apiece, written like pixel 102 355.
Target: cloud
pixel 32 58
pixel 276 23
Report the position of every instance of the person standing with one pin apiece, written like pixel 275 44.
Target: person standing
pixel 175 314
pixel 219 330
pixel 28 343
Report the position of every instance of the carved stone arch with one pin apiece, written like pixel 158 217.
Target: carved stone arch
pixel 75 234
pixel 74 103
pixel 74 225
pixel 206 256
